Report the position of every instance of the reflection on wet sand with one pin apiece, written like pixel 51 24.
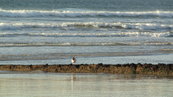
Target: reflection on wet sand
pixel 83 85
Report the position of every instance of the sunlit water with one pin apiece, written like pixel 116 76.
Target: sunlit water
pixel 82 85
pixel 95 31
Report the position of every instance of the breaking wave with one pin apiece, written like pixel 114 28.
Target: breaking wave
pixel 81 13
pixel 78 25
pixel 103 34
pixel 86 44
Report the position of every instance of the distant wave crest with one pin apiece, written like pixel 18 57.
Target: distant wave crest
pixel 86 44
pixel 103 34
pixel 79 25
pixel 81 13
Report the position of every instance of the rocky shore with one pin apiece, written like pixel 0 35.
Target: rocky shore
pixel 146 69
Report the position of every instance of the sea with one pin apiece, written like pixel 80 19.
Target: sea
pixel 94 31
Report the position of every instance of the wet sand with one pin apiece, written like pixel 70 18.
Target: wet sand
pixel 145 69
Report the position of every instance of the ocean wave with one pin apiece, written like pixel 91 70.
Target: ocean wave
pixel 78 25
pixel 60 44
pixel 86 44
pixel 101 34
pixel 81 13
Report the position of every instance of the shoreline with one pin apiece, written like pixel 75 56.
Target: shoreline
pixel 145 69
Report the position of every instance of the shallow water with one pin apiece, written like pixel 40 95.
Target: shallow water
pixel 39 84
pixel 53 31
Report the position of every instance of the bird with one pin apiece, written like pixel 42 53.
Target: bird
pixel 73 60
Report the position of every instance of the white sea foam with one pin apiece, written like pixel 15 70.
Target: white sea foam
pixel 79 13
pixel 86 44
pixel 78 25
pixel 84 34
pixel 116 34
